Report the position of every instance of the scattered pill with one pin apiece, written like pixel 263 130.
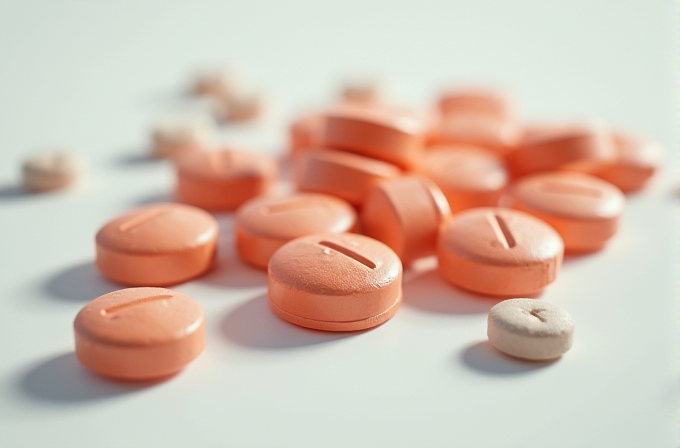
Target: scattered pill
pixel 157 245
pixel 219 83
pixel 484 101
pixel 499 252
pixel 139 333
pixel 51 171
pixel 334 282
pixel 362 91
pixel 304 133
pixel 384 133
pixel 264 224
pixel 343 174
pixel 223 180
pixel 583 209
pixel 175 136
pixel 582 148
pixel 496 133
pixel 243 107
pixel 405 213
pixel 530 329
pixel 635 162
pixel 468 177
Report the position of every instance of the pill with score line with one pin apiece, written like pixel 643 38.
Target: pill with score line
pixel 335 282
pixel 224 179
pixel 499 252
pixel 157 245
pixel 530 329
pixel 139 333
pixel 583 209
pixel 262 225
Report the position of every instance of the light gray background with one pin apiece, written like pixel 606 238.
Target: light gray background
pixel 94 75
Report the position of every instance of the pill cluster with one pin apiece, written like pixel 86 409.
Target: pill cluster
pixel 499 202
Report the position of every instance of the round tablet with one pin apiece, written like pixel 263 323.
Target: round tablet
pixel 635 162
pixel 222 180
pixel 157 245
pixel 475 100
pixel 217 82
pixel 469 177
pixel 343 174
pixel 405 213
pixel 334 282
pixel 583 209
pixel 581 148
pixel 265 224
pixel 51 171
pixel 139 333
pixel 493 132
pixel 499 252
pixel 173 137
pixel 384 133
pixel 242 107
pixel 362 91
pixel 530 329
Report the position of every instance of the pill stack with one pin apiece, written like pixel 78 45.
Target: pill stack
pixel 497 201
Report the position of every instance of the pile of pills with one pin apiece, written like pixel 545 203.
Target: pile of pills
pixel 498 202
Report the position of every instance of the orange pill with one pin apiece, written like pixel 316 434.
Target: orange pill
pixel 384 133
pixel 582 148
pixel 223 180
pixel 499 252
pixel 334 282
pixel 493 132
pixel 304 133
pixel 475 100
pixel 342 174
pixel 265 224
pixel 583 209
pixel 405 213
pixel 635 162
pixel 468 176
pixel 139 333
pixel 157 245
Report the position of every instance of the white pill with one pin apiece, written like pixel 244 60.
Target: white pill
pixel 218 82
pixel 530 329
pixel 173 136
pixel 51 171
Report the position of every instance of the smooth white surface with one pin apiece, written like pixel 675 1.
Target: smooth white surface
pixel 94 76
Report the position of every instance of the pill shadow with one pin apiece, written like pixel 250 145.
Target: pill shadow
pixel 13 192
pixel 79 283
pixel 136 159
pixel 62 379
pixel 483 357
pixel 429 292
pixel 254 325
pixel 232 273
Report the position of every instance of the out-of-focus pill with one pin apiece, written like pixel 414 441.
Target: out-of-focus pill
pixel 495 133
pixel 583 209
pixel 265 224
pixel 51 171
pixel 384 133
pixel 405 213
pixel 219 83
pixel 580 148
pixel 488 102
pixel 224 179
pixel 242 107
pixel 175 136
pixel 635 162
pixel 304 133
pixel 362 91
pixel 157 245
pixel 333 282
pixel 499 252
pixel 139 333
pixel 530 329
pixel 469 177
pixel 343 174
